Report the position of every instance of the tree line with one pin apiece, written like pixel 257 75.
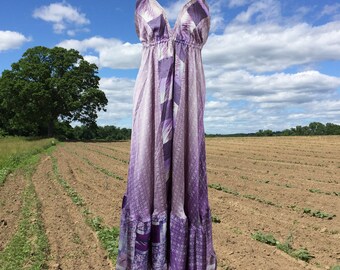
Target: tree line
pixel 65 132
pixel 314 128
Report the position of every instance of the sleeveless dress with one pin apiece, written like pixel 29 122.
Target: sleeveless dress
pixel 166 219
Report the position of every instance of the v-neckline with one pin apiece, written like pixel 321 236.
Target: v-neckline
pixel 172 30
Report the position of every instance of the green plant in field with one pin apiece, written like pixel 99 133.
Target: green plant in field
pixel 253 197
pixel 336 267
pixel 86 211
pixel 215 219
pixel 269 239
pixel 315 190
pixel 318 213
pixel 248 196
pixel 302 254
pixel 109 237
pixel 264 238
pixel 224 189
pixel 96 223
pixel 287 245
pixel 103 170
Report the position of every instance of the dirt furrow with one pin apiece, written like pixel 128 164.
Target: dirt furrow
pixel 10 206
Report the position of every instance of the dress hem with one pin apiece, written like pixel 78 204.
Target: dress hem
pixel 143 244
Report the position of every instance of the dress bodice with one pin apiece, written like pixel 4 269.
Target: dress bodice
pixel 191 27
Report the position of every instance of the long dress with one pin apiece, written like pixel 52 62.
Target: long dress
pixel 166 218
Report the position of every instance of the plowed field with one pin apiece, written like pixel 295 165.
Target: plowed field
pixel 271 185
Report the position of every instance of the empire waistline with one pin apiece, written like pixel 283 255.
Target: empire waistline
pixel 160 41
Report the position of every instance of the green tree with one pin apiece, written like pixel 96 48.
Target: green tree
pixel 332 129
pixel 46 86
pixel 317 128
pixel 298 130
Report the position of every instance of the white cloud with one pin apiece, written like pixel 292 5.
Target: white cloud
pixel 238 3
pixel 272 47
pixel 215 8
pixel 216 15
pixel 119 92
pixel 112 52
pixel 12 40
pixel 244 102
pixel 250 117
pixel 264 10
pixel 173 10
pixel 63 16
pixel 246 85
pixel 92 59
pixel 276 88
pixel 331 10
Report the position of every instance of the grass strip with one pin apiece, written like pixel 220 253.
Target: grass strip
pixel 108 237
pixel 19 154
pixel 301 253
pixel 29 247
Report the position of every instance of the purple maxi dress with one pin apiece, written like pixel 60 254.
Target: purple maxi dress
pixel 166 218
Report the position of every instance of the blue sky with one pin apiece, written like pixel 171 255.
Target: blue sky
pixel 268 64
